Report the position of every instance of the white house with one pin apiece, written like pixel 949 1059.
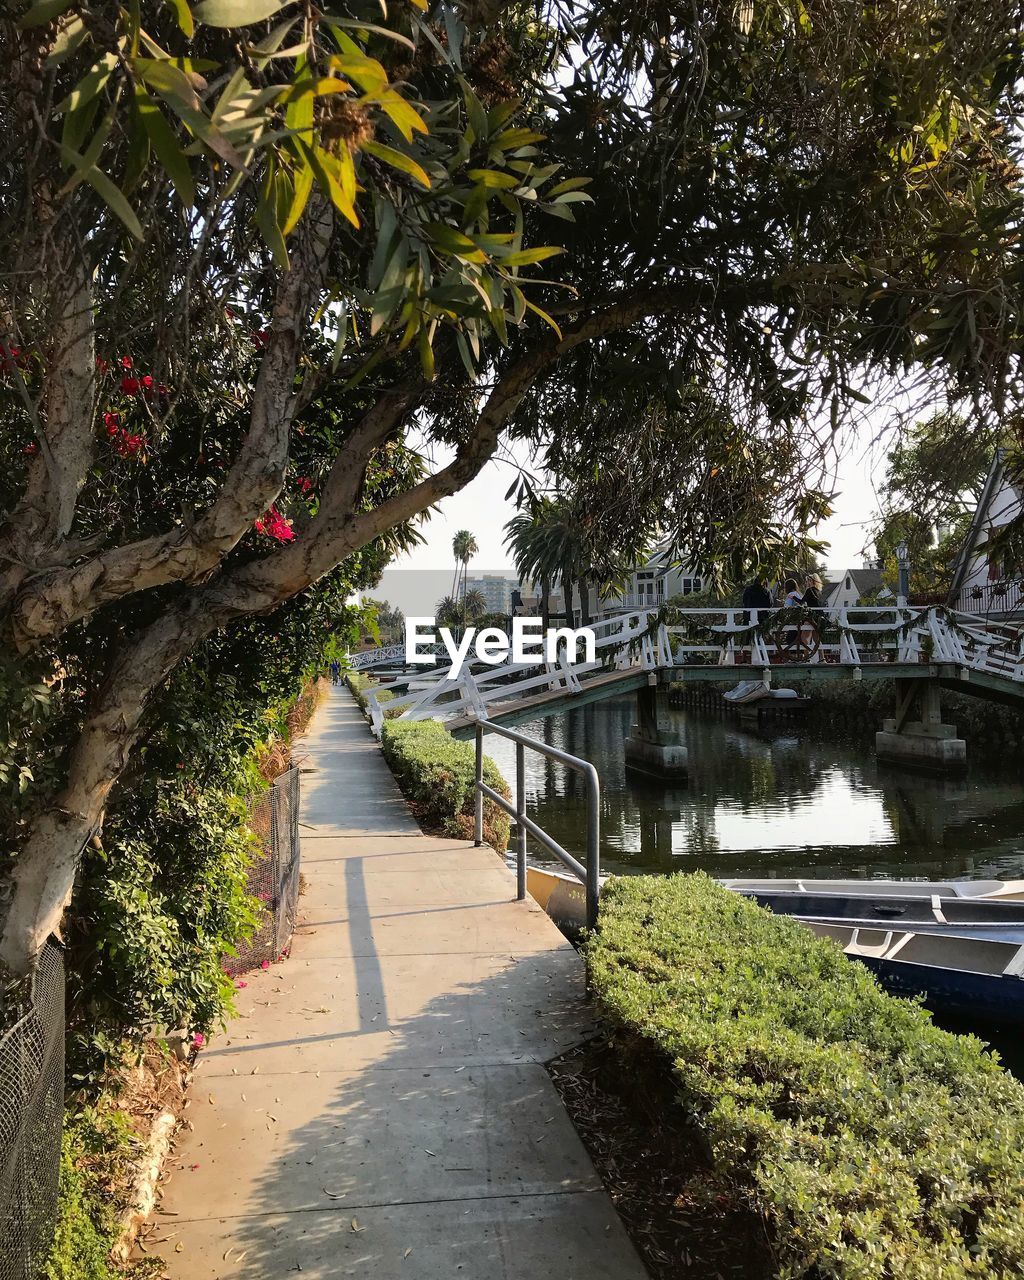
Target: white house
pixel 981 582
pixel 853 585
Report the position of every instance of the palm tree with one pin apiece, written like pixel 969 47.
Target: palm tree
pixel 547 542
pixel 457 613
pixel 464 547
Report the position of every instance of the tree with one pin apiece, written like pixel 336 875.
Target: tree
pixel 464 548
pixel 934 483
pixel 388 620
pixel 250 243
pixel 459 612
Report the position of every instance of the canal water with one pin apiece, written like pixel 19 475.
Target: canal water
pixel 794 800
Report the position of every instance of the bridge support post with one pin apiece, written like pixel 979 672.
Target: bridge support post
pixel 653 747
pixel 925 743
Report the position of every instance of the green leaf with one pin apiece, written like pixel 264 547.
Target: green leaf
pixel 303 186
pixel 368 73
pixel 356 25
pixel 266 220
pixel 511 139
pixel 184 16
pixel 398 160
pixel 235 13
pixel 327 171
pixel 454 242
pixel 43 13
pixel 168 150
pixel 167 80
pixel 493 178
pixel 525 256
pixel 108 191
pixel 404 117
pixel 89 85
pixel 539 311
pixel 426 351
pixel 475 113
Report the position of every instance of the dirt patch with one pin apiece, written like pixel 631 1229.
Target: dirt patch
pixel 684 1222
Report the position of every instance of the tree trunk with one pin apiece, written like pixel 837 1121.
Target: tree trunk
pixel 584 589
pixel 545 602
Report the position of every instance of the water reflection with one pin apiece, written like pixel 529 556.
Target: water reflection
pixel 794 803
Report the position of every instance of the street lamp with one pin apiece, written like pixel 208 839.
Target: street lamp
pixel 903 561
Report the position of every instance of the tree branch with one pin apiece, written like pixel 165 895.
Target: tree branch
pixel 52 601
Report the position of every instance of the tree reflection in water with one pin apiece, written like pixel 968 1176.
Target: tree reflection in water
pixel 790 802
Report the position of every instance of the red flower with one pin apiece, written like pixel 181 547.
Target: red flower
pixel 130 386
pixel 101 365
pixel 275 526
pixel 147 381
pixel 260 338
pixel 126 362
pixel 31 450
pixel 111 420
pixel 304 483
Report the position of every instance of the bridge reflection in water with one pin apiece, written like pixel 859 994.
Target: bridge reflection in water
pixel 815 804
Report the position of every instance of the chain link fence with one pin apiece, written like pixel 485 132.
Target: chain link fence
pixel 273 878
pixel 31 1116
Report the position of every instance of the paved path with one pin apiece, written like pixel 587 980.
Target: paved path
pixel 381 1108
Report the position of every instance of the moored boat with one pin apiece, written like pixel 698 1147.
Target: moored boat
pixel 979 916
pixel 973 977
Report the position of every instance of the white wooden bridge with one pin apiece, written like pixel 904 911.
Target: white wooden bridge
pixel 638 648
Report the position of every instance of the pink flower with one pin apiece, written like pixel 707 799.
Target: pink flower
pixel 199 1039
pixel 241 986
pixel 265 964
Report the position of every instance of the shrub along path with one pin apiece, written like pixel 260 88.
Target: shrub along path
pixel 381 1107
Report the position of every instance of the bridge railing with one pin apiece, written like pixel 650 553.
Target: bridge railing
pixel 638 640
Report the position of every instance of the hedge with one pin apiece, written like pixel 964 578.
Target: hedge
pixel 874 1145
pixel 437 773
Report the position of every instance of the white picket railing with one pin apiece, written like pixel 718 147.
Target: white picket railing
pixel 633 641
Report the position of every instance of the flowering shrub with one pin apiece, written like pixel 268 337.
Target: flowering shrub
pixel 873 1145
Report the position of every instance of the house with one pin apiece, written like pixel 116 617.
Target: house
pixel 853 585
pixel 650 585
pixel 982 583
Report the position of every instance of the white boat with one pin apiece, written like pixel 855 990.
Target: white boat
pixel 1013 889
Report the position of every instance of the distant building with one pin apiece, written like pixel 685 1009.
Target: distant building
pixel 496 590
pixel 853 585
pixel 982 582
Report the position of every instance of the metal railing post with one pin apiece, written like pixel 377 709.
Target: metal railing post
pixel 478 824
pixel 593 846
pixel 520 825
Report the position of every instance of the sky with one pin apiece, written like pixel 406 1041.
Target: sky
pixel 416 581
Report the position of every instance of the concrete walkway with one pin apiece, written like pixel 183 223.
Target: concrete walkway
pixel 381 1108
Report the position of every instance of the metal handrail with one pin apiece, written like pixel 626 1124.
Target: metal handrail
pixel 590 874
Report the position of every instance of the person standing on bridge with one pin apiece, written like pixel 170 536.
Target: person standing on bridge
pixel 335 671
pixel 757 596
pixel 812 592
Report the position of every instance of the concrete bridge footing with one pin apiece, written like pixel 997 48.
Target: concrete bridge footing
pixel 924 743
pixel 652 747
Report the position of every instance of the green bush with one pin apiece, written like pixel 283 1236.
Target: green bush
pixel 95 1156
pixel 437 773
pixel 874 1145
